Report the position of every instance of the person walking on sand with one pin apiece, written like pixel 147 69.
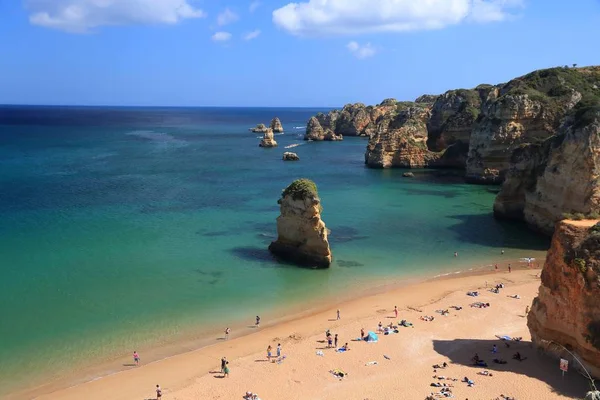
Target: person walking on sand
pixel 380 327
pixel 335 340
pixel 136 358
pixel 362 333
pixel 396 311
pixel 227 331
pixel 223 363
pixel 338 313
pixel 509 268
pixel 158 392
pixel 278 350
pixel 269 349
pixel 226 370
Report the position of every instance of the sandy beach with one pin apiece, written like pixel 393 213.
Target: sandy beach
pixel 399 365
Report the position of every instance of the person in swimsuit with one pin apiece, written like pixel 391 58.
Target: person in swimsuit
pixel 257 321
pixel 158 392
pixel 335 340
pixel 136 358
pixel 396 311
pixel 269 352
pixel 338 314
pixel 226 370
pixel 278 350
pixel 223 363
pixel 362 333
pixel 227 333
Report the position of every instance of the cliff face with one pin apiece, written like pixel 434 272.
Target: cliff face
pixel 302 235
pixel 276 125
pixel 526 110
pixel 559 175
pixel 315 131
pixel 268 140
pixel 567 309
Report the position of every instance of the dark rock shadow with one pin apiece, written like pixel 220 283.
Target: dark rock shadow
pixel 348 264
pixel 250 253
pixel 485 230
pixel 344 234
pixel 537 365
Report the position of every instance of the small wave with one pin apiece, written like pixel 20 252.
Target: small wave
pixel 159 137
pixel 293 145
pixel 299 127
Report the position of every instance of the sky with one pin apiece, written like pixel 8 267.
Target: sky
pixel 278 53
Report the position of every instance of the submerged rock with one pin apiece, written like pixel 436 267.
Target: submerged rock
pixel 276 125
pixel 289 156
pixel 566 312
pixel 301 234
pixel 408 175
pixel 268 139
pixel 260 128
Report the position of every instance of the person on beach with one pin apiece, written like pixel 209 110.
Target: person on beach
pixel 396 311
pixel 509 268
pixel 380 327
pixel 329 341
pixel 526 310
pixel 335 340
pixel 158 392
pixel 494 349
pixel 136 358
pixel 279 349
pixel 338 313
pixel 346 347
pixel 227 330
pixel 226 370
pixel 362 332
pixel 502 252
pixel 269 349
pixel 223 363
pixel 496 267
pixel 257 321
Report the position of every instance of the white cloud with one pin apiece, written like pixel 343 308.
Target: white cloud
pixel 252 35
pixel 81 16
pixel 221 36
pixel 254 5
pixel 361 51
pixel 344 17
pixel 227 17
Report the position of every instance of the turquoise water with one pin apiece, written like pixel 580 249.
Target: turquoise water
pixel 123 227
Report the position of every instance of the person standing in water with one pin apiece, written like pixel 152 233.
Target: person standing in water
pixel 509 268
pixel 456 254
pixel 136 358
pixel 257 321
pixel 227 330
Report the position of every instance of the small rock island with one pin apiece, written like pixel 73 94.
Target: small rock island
pixel 289 156
pixel 260 128
pixel 302 235
pixel 268 140
pixel 276 125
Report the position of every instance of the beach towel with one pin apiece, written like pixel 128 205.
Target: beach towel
pixel 340 350
pixel 504 337
pixel 338 373
pixel 320 353
pixel 371 363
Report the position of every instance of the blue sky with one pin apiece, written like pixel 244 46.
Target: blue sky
pixel 277 53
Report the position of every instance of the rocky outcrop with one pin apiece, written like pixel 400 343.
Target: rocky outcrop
pixel 560 175
pixel 276 125
pixel 260 128
pixel 314 131
pixel 526 110
pixel 268 140
pixel 289 156
pixel 566 311
pixel 301 234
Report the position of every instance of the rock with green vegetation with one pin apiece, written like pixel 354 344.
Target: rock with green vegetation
pixel 301 233
pixel 268 139
pixel 260 128
pixel 529 110
pixel 560 175
pixel 314 131
pixel 567 308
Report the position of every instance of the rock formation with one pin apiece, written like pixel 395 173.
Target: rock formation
pixel 276 125
pixel 289 156
pixel 314 131
pixel 528 109
pixel 260 128
pixel 268 139
pixel 301 234
pixel 567 309
pixel 559 175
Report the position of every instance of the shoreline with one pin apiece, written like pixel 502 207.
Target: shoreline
pixel 278 317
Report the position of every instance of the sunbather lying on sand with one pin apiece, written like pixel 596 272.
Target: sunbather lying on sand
pixel 473 294
pixel 499 361
pixel 405 323
pixel 427 318
pixel 485 373
pixel 517 356
pixel 457 308
pixel 444 365
pixel 480 305
pixel 515 296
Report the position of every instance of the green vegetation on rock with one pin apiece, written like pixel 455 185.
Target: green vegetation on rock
pixel 580 264
pixel 301 189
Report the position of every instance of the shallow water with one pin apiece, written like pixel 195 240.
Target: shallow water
pixel 123 227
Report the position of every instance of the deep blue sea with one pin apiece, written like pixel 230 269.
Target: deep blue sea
pixel 125 227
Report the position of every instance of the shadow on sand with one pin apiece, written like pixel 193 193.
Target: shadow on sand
pixel 537 365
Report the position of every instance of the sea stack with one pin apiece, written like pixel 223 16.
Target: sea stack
pixel 276 125
pixel 301 234
pixel 289 156
pixel 566 312
pixel 260 128
pixel 314 131
pixel 268 140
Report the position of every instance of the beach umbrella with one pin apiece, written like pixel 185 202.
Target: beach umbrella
pixel 372 337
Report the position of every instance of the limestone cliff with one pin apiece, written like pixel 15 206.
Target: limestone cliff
pixel 559 175
pixel 314 131
pixel 528 109
pixel 567 309
pixel 268 140
pixel 276 125
pixel 301 234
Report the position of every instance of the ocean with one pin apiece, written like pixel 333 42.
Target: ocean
pixel 125 228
